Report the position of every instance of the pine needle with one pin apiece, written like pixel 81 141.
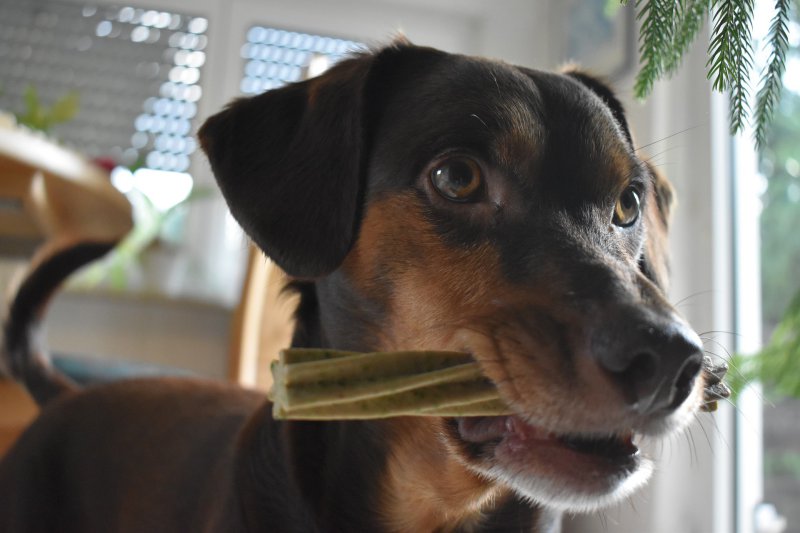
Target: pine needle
pixel 657 25
pixel 731 56
pixel 771 83
pixel 691 17
pixel 668 28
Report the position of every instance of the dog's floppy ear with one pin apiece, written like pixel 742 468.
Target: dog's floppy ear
pixel 289 163
pixel 607 96
pixel 654 261
pixel 655 258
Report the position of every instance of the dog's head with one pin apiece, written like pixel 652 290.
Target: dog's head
pixel 445 202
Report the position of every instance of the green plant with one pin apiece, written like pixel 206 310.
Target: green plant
pixel 38 116
pixel 777 365
pixel 668 27
pixel 783 463
pixel 152 228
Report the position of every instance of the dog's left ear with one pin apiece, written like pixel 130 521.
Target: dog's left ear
pixel 654 261
pixel 289 164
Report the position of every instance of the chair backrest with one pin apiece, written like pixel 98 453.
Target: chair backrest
pixel 263 322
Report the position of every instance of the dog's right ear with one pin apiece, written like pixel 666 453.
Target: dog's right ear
pixel 655 259
pixel 290 165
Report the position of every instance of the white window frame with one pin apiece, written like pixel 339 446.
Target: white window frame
pixel 747 261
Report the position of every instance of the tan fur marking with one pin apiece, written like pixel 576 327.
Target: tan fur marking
pixel 434 286
pixel 427 486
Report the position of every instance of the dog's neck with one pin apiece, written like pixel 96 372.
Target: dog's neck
pixel 401 468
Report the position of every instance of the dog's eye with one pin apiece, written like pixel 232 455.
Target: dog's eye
pixel 458 179
pixel 628 207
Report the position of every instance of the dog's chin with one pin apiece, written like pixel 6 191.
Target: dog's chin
pixel 561 471
pixel 569 472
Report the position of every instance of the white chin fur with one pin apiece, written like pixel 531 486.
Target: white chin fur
pixel 558 495
pixel 555 495
pixel 678 421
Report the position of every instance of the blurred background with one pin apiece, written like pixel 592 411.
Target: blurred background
pixel 128 84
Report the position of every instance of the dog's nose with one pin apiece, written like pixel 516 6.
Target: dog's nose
pixel 653 360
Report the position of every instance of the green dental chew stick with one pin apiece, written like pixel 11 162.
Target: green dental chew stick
pixel 316 384
pixel 319 384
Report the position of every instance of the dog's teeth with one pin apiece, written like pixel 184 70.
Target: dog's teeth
pixel 522 430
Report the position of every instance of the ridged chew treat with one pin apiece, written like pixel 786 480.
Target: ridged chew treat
pixel 319 384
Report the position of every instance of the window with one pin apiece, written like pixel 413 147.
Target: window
pixel 136 73
pixel 779 165
pixel 274 57
pixel 768 265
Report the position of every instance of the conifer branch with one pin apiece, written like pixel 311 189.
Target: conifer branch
pixel 692 16
pixel 655 42
pixel 668 27
pixel 733 25
pixel 771 82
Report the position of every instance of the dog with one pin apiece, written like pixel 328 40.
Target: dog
pixel 419 200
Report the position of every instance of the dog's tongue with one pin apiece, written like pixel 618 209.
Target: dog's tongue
pixel 484 429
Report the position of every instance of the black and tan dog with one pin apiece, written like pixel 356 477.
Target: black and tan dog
pixel 421 200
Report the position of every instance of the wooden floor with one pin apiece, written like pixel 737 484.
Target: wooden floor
pixel 17 409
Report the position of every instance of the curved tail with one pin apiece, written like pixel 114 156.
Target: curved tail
pixel 22 352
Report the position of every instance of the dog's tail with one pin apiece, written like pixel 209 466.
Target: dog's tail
pixel 23 353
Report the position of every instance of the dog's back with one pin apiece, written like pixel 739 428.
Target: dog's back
pixel 144 441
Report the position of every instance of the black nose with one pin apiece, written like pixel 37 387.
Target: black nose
pixel 653 360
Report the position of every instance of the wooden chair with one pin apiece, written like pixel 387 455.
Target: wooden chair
pixel 262 324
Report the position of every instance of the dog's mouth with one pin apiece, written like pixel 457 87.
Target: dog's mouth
pixel 511 431
pixel 542 463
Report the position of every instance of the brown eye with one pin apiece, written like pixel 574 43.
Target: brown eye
pixel 628 208
pixel 458 179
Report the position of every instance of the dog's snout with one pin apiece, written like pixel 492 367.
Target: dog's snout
pixel 654 363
